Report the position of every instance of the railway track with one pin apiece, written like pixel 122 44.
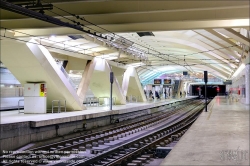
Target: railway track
pixel 53 153
pixel 121 155
pixel 160 138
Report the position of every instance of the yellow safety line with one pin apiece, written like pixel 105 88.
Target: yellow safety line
pixel 210 111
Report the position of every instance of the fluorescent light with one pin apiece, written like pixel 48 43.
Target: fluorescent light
pixel 242 66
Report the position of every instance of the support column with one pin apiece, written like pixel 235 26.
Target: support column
pixel 75 64
pixel 100 83
pixel 86 78
pixel 131 85
pixel 190 90
pixel 118 73
pixel 30 62
pixel 247 82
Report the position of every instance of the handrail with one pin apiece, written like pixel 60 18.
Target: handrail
pixel 92 100
pixel 108 98
pixel 132 98
pixel 58 102
pixel 58 106
pixel 103 99
pixel 19 105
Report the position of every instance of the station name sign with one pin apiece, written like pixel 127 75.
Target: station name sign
pixel 227 82
pixel 167 81
pixel 157 81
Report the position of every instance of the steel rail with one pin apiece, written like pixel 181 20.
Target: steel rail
pixel 74 146
pixel 114 150
pixel 188 122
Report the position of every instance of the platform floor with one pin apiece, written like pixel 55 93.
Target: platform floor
pixel 218 137
pixel 14 116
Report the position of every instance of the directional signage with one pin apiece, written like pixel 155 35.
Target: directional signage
pixel 157 81
pixel 167 81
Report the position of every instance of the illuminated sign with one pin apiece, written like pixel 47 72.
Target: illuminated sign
pixel 167 81
pixel 157 81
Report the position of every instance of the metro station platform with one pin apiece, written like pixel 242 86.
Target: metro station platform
pixel 218 137
pixel 39 120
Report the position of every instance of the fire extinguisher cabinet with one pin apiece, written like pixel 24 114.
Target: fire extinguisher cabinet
pixel 35 98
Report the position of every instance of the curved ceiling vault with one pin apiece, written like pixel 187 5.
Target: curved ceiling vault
pixel 194 36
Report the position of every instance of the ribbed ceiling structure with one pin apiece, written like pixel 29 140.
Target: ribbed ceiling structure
pixel 180 36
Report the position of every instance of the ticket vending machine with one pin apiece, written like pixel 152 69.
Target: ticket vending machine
pixel 35 98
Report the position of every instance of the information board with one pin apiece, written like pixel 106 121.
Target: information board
pixel 157 81
pixel 167 81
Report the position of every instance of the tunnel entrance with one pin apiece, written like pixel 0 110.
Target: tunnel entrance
pixel 212 90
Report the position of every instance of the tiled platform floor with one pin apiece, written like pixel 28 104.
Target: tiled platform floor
pixel 218 137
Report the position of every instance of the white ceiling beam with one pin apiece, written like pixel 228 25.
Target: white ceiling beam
pixel 198 45
pixel 235 35
pixel 210 38
pixel 38 29
pixel 235 48
pixel 222 56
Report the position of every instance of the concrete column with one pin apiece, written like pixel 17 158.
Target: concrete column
pixel 30 62
pixel 247 82
pixel 178 89
pixel 185 88
pixel 170 92
pixel 131 85
pixel 125 80
pixel 247 78
pixel 85 81
pixel 181 88
pixel 75 64
pixel 119 74
pixel 190 91
pixel 100 82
